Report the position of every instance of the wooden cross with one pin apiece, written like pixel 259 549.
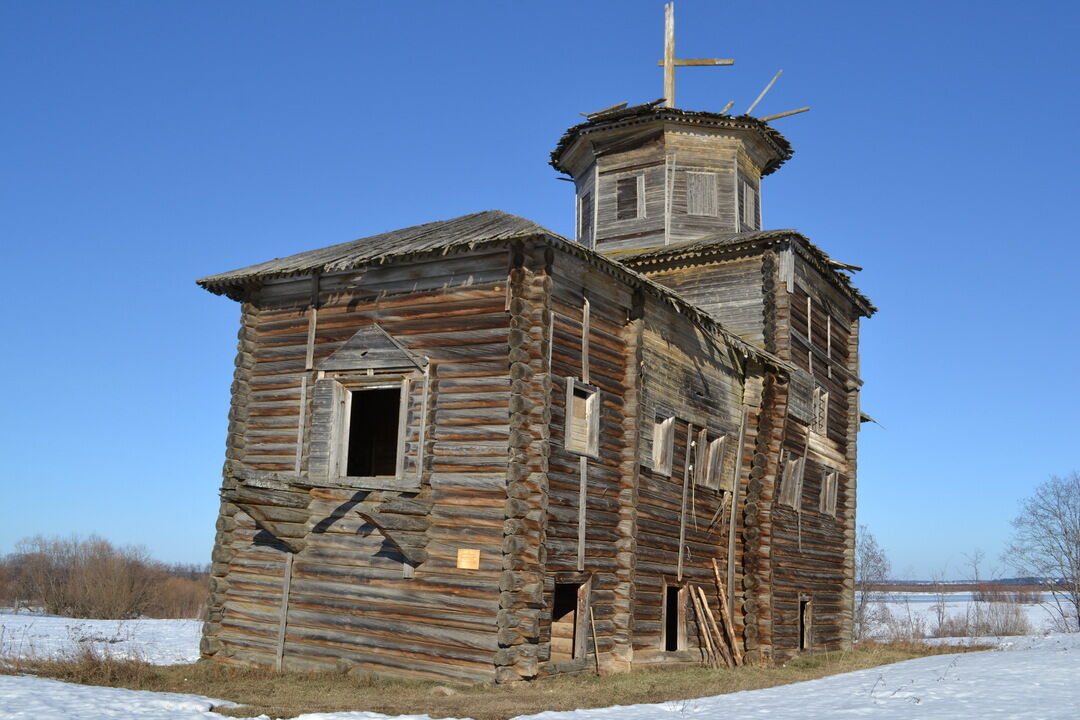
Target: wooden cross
pixel 669 62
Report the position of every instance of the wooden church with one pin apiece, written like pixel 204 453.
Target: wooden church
pixel 475 450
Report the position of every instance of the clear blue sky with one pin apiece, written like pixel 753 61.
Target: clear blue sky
pixel 146 144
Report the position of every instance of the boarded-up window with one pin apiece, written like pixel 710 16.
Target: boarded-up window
pixel 829 482
pixel 749 206
pixel 800 397
pixel 663 448
pixel 820 422
pixel 630 198
pixel 701 194
pixel 791 481
pixel 585 219
pixel 582 418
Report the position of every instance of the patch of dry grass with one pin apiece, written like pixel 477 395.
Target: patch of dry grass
pixel 289 694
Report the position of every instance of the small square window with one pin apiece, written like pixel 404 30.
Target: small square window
pixel 663 448
pixel 582 418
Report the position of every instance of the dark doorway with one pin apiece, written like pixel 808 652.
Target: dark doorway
pixel 672 621
pixel 564 621
pixel 373 432
pixel 805 608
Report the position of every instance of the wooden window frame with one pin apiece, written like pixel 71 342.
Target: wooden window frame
pixel 345 383
pixel 663 445
pixel 749 206
pixel 592 419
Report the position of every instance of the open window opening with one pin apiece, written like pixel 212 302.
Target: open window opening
pixel 805 610
pixel 674 619
pixel 371 445
pixel 566 640
pixel 582 419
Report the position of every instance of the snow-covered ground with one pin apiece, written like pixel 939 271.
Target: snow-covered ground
pixel 161 642
pixel 1026 677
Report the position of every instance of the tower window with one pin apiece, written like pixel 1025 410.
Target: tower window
pixel 748 206
pixel 701 194
pixel 585 219
pixel 630 198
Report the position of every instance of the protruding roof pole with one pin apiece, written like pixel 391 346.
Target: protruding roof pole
pixel 669 54
pixel 767 89
pixel 670 63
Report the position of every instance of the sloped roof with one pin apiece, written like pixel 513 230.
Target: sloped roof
pixel 445 235
pixel 723 242
pixel 654 111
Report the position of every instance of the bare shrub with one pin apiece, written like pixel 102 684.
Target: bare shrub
pixel 91 577
pixel 871 572
pixel 986 619
pixel 1047 543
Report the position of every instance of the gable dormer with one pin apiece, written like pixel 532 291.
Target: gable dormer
pixel 649 176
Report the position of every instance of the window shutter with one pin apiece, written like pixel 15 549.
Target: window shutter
pixel 701 194
pixel 663 442
pixel 327 401
pixel 801 396
pixel 715 463
pixel 792 482
pixel 829 483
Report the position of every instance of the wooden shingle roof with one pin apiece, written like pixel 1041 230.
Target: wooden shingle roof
pixel 443 235
pixel 724 243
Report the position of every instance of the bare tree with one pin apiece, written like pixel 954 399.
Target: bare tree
pixel 872 570
pixel 1046 543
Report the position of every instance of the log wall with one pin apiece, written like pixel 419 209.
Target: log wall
pixel 354 600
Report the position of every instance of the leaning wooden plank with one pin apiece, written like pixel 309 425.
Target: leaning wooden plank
pixel 729 630
pixel 703 631
pixel 725 653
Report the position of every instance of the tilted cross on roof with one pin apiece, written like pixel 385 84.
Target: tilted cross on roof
pixel 669 62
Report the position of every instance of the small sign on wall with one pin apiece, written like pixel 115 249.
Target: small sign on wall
pixel 468 559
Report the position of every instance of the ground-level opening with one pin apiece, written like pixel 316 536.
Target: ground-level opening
pixel 373 432
pixel 564 621
pixel 805 609
pixel 674 636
